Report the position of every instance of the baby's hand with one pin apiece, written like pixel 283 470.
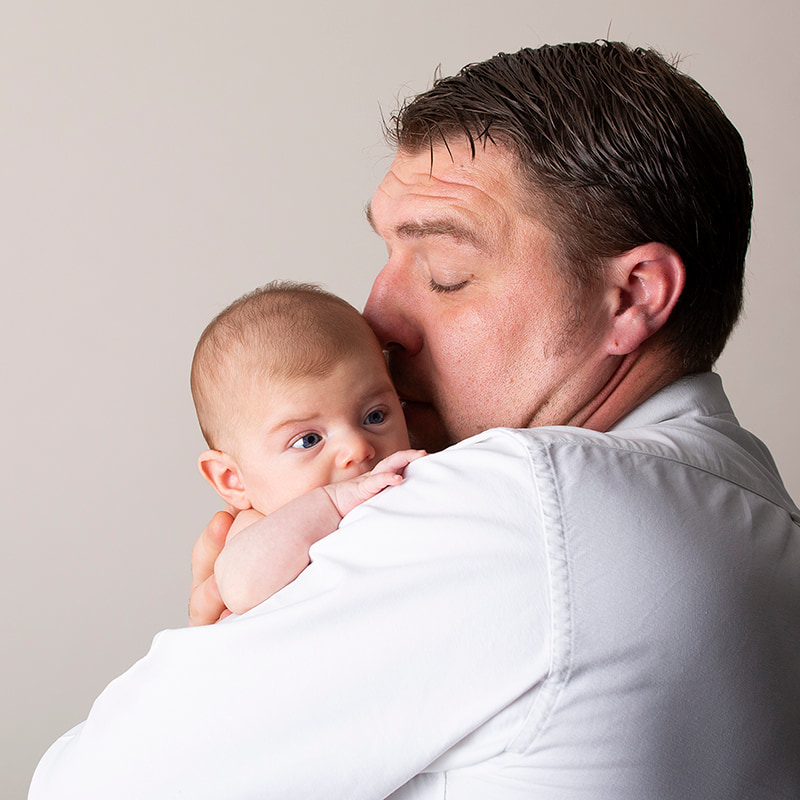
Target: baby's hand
pixel 346 495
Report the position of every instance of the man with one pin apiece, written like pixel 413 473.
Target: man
pixel 596 600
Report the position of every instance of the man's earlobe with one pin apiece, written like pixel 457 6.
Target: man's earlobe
pixel 222 472
pixel 646 283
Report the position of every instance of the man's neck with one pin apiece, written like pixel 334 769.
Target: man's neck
pixel 638 376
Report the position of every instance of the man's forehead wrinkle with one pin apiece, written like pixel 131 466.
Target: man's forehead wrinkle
pixel 459 201
pixel 461 177
pixel 423 213
pixel 383 189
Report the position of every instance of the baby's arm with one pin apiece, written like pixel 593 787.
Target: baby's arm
pixel 244 519
pixel 264 554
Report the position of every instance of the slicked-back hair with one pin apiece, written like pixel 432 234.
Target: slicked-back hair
pixel 283 331
pixel 618 148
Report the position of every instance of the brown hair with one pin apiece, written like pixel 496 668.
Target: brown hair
pixel 283 330
pixel 619 149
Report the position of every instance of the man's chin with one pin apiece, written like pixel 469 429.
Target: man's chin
pixel 426 430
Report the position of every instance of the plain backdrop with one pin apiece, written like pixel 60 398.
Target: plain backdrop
pixel 159 158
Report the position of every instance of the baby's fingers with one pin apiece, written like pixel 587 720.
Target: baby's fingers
pixel 374 482
pixel 398 461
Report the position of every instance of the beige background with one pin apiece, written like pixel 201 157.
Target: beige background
pixel 157 159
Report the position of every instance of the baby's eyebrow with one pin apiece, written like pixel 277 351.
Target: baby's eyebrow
pixel 294 422
pixel 379 394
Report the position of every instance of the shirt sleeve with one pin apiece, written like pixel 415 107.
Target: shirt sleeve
pixel 422 619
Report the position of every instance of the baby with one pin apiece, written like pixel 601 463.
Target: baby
pixel 303 424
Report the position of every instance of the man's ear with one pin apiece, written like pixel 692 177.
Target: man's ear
pixel 645 285
pixel 222 472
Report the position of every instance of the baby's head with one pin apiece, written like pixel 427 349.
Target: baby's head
pixel 292 392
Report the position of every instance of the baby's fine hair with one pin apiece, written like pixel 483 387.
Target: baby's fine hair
pixel 280 332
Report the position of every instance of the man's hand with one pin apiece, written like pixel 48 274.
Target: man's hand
pixel 205 604
pixel 346 495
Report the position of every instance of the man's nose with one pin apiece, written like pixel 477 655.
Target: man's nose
pixel 354 449
pixel 389 311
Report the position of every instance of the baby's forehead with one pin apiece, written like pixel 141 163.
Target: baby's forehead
pixel 281 379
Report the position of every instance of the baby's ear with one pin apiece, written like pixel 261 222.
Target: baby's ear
pixel 222 472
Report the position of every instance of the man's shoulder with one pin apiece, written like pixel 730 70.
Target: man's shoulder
pixel 687 427
pixel 534 444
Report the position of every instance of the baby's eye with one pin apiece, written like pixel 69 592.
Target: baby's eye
pixel 375 417
pixel 307 441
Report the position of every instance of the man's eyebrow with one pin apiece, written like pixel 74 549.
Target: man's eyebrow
pixel 434 227
pixel 368 215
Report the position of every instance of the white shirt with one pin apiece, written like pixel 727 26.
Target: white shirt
pixel 548 613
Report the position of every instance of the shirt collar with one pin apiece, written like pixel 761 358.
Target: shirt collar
pixel 693 395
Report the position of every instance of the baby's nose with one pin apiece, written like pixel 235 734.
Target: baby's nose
pixel 355 450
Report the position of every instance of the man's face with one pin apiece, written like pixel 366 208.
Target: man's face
pixel 472 305
pixel 304 433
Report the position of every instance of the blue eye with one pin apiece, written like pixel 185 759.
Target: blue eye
pixel 307 441
pixel 375 417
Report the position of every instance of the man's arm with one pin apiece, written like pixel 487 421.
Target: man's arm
pixel 205 604
pixel 410 629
